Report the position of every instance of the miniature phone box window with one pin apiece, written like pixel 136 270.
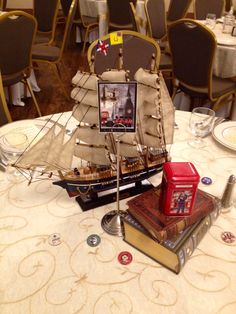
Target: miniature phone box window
pixel 117 106
pixel 179 186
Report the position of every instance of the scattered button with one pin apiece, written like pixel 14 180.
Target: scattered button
pixel 206 180
pixel 125 258
pixel 54 239
pixel 228 237
pixel 93 240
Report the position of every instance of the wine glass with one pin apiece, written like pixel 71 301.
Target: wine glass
pixel 12 146
pixel 210 20
pixel 201 123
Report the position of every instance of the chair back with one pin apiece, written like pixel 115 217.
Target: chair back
pixel 134 44
pixel 3 5
pixel 120 15
pixel 69 23
pixel 45 12
pixel 177 9
pixel 17 33
pixel 228 4
pixel 156 18
pixel 5 116
pixel 192 47
pixel 203 7
pixel 65 5
pixel 134 17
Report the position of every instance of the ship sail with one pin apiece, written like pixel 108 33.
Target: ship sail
pixel 64 161
pixel 89 135
pixel 155 110
pixel 85 113
pixel 85 80
pixel 167 112
pixel 55 147
pixel 92 153
pixel 36 155
pixel 88 97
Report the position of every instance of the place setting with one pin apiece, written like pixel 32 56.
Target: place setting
pixel 203 122
pixel 15 139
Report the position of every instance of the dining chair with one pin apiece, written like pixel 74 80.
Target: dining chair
pixel 5 116
pixel 17 33
pixel 65 5
pixel 119 15
pixel 45 13
pixel 228 4
pixel 51 54
pixel 63 11
pixel 86 23
pixel 157 28
pixel 3 5
pixel 203 7
pixel 136 20
pixel 138 51
pixel 193 47
pixel 156 18
pixel 177 10
pixel 157 24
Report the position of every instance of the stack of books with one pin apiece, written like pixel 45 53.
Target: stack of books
pixel 168 240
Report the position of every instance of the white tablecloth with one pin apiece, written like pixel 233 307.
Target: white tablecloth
pixel 72 277
pixel 225 58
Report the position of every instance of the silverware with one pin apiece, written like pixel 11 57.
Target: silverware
pixel 219 120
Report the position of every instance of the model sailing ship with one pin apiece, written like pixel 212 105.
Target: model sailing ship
pixel 85 160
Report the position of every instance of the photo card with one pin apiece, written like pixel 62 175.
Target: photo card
pixel 117 102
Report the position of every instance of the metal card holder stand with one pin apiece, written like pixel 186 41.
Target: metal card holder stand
pixel 112 222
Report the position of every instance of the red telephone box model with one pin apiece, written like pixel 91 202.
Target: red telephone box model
pixel 179 185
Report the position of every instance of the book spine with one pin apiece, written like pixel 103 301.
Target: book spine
pixel 196 236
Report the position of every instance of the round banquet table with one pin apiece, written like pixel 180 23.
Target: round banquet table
pixel 224 66
pixel 225 57
pixel 72 277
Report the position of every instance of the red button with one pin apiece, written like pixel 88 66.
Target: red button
pixel 125 258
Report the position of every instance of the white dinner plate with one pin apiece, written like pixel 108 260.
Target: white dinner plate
pixel 225 134
pixel 228 41
pixel 16 136
pixel 220 20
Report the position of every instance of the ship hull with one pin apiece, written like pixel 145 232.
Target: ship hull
pixel 92 187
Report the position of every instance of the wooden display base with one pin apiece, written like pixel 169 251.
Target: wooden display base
pixel 89 201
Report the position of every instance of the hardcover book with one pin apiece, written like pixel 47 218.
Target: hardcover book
pixel 172 253
pixel 145 208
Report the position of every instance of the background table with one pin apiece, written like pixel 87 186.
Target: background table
pixel 73 277
pixel 99 8
pixel 225 58
pixel 224 66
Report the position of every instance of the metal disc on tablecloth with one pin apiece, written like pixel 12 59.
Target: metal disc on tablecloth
pixel 93 240
pixel 54 239
pixel 228 237
pixel 125 258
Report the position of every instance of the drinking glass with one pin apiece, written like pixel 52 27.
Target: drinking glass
pixel 201 123
pixel 12 146
pixel 229 21
pixel 210 20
